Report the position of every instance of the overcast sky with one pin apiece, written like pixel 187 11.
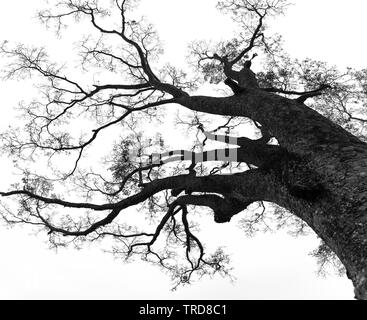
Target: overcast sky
pixel 271 266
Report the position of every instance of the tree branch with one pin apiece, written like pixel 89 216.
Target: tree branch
pixel 224 208
pixel 238 189
pixel 304 94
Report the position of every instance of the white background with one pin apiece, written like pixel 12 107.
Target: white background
pixel 271 266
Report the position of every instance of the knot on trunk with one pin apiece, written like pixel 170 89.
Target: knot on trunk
pixel 227 208
pixel 297 175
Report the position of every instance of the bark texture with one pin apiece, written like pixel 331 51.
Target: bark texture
pixel 319 174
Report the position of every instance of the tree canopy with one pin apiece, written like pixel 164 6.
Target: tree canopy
pixel 86 151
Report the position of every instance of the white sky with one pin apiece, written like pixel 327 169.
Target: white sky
pixel 271 266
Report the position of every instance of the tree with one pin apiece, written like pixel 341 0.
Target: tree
pixel 308 161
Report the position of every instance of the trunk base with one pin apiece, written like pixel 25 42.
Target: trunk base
pixel 360 288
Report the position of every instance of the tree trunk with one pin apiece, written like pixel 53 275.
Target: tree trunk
pixel 324 156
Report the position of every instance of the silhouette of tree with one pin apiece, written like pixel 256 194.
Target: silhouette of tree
pixel 309 163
